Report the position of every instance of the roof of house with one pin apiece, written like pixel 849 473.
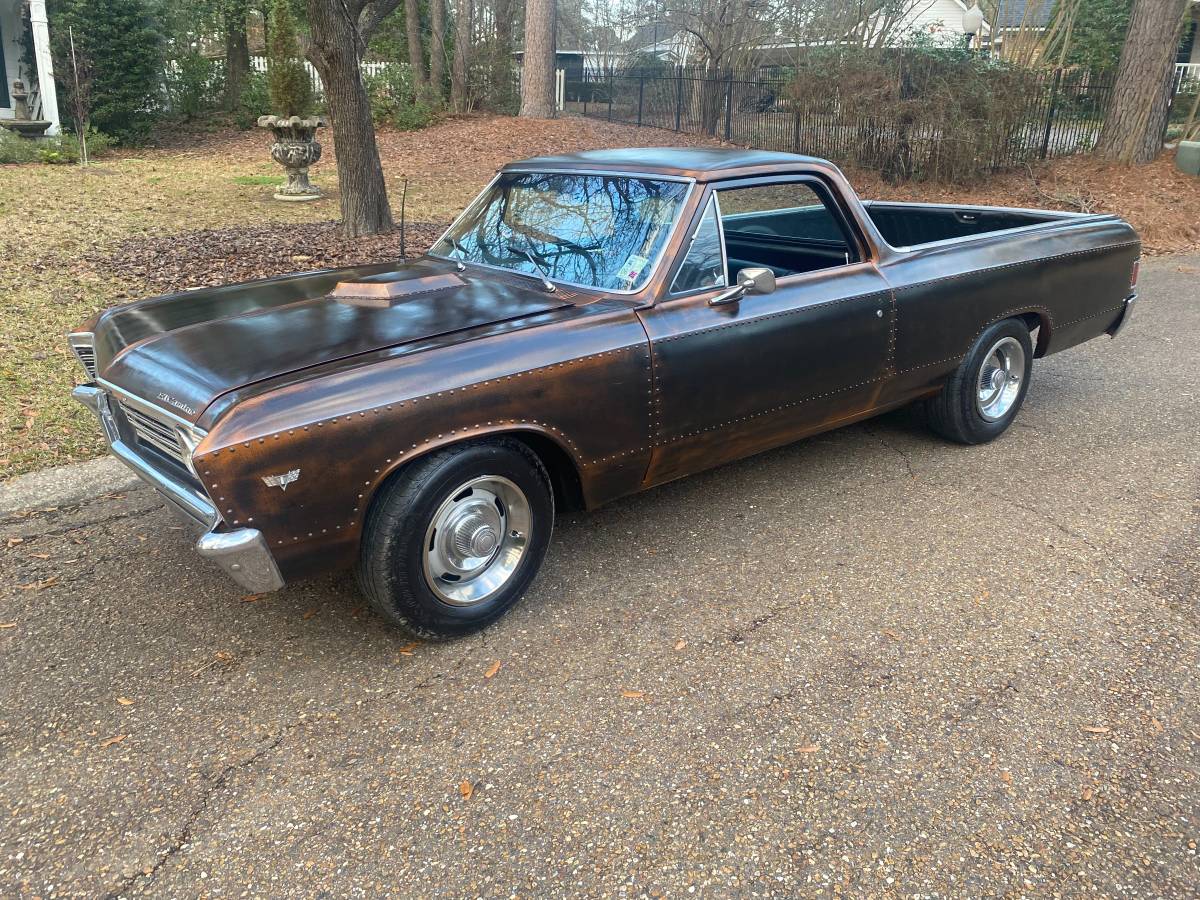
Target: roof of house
pixel 1030 13
pixel 701 163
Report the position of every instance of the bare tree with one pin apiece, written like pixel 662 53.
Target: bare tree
pixel 437 49
pixel 460 68
pixel 537 80
pixel 416 54
pixel 1141 98
pixel 340 31
pixel 237 49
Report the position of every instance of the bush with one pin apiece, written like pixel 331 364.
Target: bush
pixel 121 44
pixel 195 85
pixel 393 102
pixel 254 101
pixel 15 149
pixel 414 117
pixel 916 112
pixel 287 77
pixel 62 148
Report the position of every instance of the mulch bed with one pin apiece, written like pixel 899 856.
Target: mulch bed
pixel 225 255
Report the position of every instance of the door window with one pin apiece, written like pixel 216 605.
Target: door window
pixel 704 266
pixel 787 227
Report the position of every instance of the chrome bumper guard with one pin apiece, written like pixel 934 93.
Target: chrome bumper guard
pixel 242 553
pixel 1122 320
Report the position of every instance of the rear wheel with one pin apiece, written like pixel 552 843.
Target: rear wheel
pixel 455 540
pixel 983 396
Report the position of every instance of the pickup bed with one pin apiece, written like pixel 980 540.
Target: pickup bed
pixel 592 325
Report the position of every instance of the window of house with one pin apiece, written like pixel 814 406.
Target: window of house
pixel 4 101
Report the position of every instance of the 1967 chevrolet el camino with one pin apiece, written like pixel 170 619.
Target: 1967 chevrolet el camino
pixel 591 326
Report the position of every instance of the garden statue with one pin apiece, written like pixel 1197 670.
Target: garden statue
pixel 295 149
pixel 21 123
pixel 291 91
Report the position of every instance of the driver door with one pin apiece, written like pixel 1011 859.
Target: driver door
pixel 733 380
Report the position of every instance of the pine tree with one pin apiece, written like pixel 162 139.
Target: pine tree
pixel 287 77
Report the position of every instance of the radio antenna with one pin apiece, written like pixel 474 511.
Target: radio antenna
pixel 403 198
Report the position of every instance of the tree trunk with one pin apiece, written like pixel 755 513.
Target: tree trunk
pixel 237 52
pixel 416 57
pixel 335 50
pixel 537 80
pixel 460 69
pixel 437 49
pixel 1141 97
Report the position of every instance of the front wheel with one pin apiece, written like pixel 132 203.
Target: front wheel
pixel 982 397
pixel 453 541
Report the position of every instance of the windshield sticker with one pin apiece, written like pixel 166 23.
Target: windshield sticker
pixel 633 268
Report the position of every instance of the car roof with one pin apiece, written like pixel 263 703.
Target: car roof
pixel 701 163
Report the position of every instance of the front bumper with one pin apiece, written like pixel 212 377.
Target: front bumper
pixel 1123 319
pixel 242 553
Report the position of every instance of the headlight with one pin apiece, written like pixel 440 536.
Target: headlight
pixel 83 343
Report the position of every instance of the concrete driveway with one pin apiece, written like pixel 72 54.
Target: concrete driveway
pixel 871 663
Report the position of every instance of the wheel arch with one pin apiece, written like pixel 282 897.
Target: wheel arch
pixel 551 449
pixel 1038 320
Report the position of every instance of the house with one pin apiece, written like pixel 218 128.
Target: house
pixel 1188 59
pixel 24 33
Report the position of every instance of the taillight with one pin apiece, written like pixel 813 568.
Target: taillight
pixel 1137 264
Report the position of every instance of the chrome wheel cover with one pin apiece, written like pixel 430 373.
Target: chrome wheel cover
pixel 1000 379
pixel 476 540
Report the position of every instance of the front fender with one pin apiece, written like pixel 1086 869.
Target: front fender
pixel 302 463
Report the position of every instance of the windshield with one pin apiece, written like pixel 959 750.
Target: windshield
pixel 600 231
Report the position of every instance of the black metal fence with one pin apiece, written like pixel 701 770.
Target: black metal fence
pixel 1051 113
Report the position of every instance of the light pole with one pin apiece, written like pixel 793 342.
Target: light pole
pixel 972 24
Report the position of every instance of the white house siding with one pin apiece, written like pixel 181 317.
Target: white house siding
pixel 10 36
pixel 936 17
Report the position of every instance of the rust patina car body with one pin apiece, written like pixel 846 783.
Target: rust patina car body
pixel 273 412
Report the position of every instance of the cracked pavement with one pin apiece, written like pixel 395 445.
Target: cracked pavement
pixel 871 663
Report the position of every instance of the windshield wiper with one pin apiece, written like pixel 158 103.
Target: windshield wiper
pixel 542 273
pixel 462 253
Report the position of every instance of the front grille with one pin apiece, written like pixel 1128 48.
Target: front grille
pixel 152 432
pixel 87 356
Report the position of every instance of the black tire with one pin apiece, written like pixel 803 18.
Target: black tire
pixel 956 412
pixel 392 568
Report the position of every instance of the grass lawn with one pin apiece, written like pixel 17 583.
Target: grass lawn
pixel 200 212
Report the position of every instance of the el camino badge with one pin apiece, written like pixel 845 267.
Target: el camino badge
pixel 281 481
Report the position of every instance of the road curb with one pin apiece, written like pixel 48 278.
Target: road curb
pixel 64 485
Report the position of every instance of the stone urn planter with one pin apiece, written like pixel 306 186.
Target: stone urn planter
pixel 295 149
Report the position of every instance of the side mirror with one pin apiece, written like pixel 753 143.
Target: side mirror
pixel 754 280
pixel 757 280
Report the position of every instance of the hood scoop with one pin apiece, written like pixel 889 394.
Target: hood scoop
pixel 388 293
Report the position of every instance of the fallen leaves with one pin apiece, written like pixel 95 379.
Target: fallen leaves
pixel 407 649
pixel 633 695
pixel 493 669
pixel 112 740
pixel 1096 729
pixel 13 541
pixel 680 644
pixel 39 585
pixel 220 656
pixel 125 701
pixel 8 624
pixel 466 789
pixel 808 748
pixel 252 598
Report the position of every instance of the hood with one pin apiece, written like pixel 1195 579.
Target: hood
pixel 184 364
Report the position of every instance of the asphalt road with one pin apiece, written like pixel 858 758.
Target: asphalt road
pixel 871 663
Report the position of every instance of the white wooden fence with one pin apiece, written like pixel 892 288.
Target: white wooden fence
pixel 259 64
